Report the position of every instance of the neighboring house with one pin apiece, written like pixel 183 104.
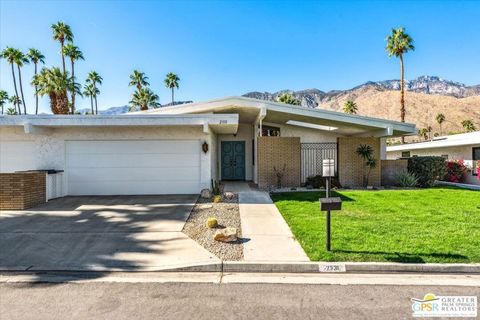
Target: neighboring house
pixel 181 149
pixel 465 146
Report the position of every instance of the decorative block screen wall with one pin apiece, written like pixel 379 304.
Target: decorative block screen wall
pixel 351 165
pixel 390 169
pixel 277 152
pixel 22 190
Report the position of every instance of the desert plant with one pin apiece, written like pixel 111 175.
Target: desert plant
pixel 217 198
pixel 350 107
pixel 406 179
pixel 468 125
pixel 455 171
pixel 288 98
pixel 366 153
pixel 440 119
pixel 171 82
pixel 212 222
pixel 427 169
pixel 279 174
pixel 11 111
pixel 215 187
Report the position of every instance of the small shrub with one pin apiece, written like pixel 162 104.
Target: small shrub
pixel 406 179
pixel 455 171
pixel 427 169
pixel 319 182
pixel 212 222
pixel 217 198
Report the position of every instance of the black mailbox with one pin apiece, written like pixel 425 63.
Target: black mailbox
pixel 330 204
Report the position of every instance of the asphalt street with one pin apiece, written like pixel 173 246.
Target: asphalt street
pixel 154 300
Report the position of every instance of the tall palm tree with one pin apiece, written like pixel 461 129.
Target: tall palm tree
pixel 171 82
pixel 54 83
pixel 423 132
pixel 20 60
pixel 9 54
pixel 3 98
pixel 398 44
pixel 94 78
pixel 90 90
pixel 350 107
pixel 144 98
pixel 288 98
pixel 468 125
pixel 62 32
pixel 36 57
pixel 440 119
pixel 138 79
pixel 74 53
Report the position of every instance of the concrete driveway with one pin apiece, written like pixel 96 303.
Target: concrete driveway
pixel 107 233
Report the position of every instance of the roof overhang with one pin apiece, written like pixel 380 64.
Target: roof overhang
pixel 465 139
pixel 341 123
pixel 219 123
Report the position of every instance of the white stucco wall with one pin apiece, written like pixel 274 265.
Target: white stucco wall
pixel 245 133
pixel 48 151
pixel 454 153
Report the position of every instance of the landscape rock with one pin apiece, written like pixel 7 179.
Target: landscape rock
pixel 228 195
pixel 227 234
pixel 206 194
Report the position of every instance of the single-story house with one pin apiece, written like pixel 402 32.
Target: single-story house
pixel 465 146
pixel 181 149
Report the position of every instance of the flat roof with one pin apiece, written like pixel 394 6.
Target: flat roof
pixel 464 139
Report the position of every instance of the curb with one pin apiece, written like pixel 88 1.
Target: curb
pixel 279 267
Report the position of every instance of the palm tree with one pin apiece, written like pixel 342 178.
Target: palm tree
pixel 171 82
pixel 35 57
pixel 429 131
pixel 138 79
pixel 350 107
pixel 144 98
pixel 54 83
pixel 399 43
pixel 94 78
pixel 288 99
pixel 62 32
pixel 423 132
pixel 9 54
pixel 11 111
pixel 16 101
pixel 74 53
pixel 91 91
pixel 3 99
pixel 20 60
pixel 468 126
pixel 366 153
pixel 440 119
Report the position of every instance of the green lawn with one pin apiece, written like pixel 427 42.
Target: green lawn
pixel 423 225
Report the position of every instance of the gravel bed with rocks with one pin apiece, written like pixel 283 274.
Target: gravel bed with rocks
pixel 227 215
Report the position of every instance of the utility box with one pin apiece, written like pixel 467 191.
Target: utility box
pixel 330 204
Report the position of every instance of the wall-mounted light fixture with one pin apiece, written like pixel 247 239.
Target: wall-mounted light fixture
pixel 205 147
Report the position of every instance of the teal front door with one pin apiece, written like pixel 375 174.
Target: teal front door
pixel 233 160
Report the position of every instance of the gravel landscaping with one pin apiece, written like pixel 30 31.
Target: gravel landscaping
pixel 228 215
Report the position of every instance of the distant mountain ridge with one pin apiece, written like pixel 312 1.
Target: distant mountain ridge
pixel 432 85
pixel 123 109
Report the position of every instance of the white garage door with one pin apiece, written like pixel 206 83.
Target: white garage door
pixel 133 167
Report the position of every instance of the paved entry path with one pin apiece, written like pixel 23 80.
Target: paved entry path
pixel 270 238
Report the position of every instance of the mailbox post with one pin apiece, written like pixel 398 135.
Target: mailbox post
pixel 328 204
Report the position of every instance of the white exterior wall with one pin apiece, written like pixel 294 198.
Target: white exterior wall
pixel 454 153
pixel 244 133
pixel 20 151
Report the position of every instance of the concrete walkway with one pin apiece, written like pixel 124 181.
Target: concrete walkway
pixel 270 238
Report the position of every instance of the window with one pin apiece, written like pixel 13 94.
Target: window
pixel 268 131
pixel 405 154
pixel 475 158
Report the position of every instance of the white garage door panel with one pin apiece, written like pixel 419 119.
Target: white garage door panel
pixel 17 156
pixel 133 167
pixel 129 160
pixel 133 174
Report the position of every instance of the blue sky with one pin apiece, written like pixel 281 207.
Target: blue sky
pixel 222 48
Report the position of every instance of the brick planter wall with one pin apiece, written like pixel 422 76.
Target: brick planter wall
pixel 351 165
pixel 22 190
pixel 390 169
pixel 277 152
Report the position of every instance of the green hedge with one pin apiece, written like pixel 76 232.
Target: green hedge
pixel 427 169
